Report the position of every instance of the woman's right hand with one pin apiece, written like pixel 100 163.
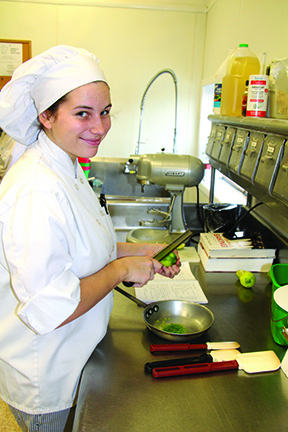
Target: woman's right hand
pixel 138 269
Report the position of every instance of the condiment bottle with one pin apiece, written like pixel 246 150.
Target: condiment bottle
pixel 218 78
pixel 257 96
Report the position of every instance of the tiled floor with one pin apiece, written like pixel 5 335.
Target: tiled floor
pixel 7 421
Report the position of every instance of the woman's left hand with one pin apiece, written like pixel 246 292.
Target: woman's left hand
pixel 173 270
pixel 152 249
pixel 149 249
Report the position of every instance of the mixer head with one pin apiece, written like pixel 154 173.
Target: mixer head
pixel 170 170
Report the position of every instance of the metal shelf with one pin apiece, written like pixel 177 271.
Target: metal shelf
pixel 269 127
pixel 260 124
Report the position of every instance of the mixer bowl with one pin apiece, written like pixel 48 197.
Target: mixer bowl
pixel 151 235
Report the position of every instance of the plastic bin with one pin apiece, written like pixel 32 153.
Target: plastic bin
pixel 279 315
pixel 279 275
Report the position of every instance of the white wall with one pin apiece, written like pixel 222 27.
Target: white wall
pixel 260 23
pixel 133 45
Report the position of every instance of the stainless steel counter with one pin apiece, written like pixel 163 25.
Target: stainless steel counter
pixel 116 395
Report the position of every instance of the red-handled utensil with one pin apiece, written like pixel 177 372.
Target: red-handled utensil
pixel 194 369
pixel 254 362
pixel 187 347
pixel 213 356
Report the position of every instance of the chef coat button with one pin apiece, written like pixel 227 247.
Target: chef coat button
pixel 76 186
pixel 81 180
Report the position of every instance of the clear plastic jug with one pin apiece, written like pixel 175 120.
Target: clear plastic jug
pixel 278 83
pixel 241 65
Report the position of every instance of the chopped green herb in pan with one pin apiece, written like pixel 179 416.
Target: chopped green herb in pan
pixel 174 328
pixel 171 327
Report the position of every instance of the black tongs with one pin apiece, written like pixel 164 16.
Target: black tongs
pixel 182 238
pixel 202 358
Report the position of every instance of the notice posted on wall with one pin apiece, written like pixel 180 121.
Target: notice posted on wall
pixel 11 56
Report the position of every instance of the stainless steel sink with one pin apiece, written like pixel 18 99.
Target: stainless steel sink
pixel 127 212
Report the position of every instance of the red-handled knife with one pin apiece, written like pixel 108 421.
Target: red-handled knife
pixel 187 347
pixel 194 369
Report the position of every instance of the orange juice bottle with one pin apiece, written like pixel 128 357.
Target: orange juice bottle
pixel 241 65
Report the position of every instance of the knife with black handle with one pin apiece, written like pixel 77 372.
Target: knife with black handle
pixel 182 238
pixel 203 358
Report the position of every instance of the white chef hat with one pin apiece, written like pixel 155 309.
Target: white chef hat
pixel 38 83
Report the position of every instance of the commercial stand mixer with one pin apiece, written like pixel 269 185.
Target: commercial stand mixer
pixel 174 172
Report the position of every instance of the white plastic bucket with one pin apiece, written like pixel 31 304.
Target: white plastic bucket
pixel 279 318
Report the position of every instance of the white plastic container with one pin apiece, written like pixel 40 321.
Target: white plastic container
pixel 242 63
pixel 220 73
pixel 278 88
pixel 257 96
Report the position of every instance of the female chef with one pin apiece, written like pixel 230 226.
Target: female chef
pixel 59 260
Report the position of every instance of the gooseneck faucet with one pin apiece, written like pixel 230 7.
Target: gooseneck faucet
pixel 164 71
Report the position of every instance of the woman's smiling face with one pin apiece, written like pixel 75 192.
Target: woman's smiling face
pixel 81 122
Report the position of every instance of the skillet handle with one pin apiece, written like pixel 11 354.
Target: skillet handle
pixel 194 369
pixel 131 297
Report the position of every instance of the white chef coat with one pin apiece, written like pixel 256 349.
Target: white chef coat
pixel 54 232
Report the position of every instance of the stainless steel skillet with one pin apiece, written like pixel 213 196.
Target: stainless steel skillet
pixel 195 317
